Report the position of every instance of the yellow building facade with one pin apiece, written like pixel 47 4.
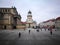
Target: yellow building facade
pixel 8 18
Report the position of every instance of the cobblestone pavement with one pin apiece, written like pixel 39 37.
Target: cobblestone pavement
pixel 11 37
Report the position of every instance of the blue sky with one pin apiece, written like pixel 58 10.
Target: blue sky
pixel 41 9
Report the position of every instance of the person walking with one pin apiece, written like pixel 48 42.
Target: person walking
pixel 45 29
pixel 19 34
pixel 51 30
pixel 29 31
pixel 41 29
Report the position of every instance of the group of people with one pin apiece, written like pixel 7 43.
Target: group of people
pixel 20 33
pixel 50 29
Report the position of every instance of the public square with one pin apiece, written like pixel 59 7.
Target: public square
pixel 11 37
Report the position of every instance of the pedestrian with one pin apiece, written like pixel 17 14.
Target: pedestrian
pixel 37 30
pixel 51 30
pixel 29 31
pixel 19 34
pixel 48 29
pixel 45 29
pixel 55 29
pixel 41 29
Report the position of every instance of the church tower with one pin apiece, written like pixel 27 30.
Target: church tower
pixel 29 20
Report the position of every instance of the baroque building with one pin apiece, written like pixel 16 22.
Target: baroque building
pixel 9 18
pixel 29 20
pixel 20 24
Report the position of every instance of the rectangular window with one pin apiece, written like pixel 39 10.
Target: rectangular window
pixel 5 10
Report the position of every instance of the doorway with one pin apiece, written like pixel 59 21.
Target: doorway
pixel 4 26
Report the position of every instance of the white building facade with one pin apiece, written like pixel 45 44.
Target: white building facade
pixel 48 23
pixel 29 20
pixel 57 23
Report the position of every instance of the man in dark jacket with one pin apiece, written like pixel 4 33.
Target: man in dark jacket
pixel 19 34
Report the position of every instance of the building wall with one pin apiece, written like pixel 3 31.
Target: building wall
pixel 21 26
pixel 18 24
pixel 29 21
pixel 57 24
pixel 8 21
pixel 47 24
pixel 29 24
